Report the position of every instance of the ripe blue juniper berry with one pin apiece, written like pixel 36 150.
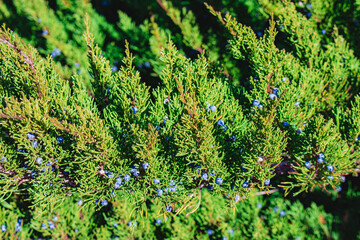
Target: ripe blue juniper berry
pixel 60 139
pixel 330 168
pixel 267 181
pixel 3 227
pixel 219 181
pixel 282 213
pixel 210 187
pixel 255 103
pixel 258 205
pixel 156 181
pixel 245 184
pixel 168 208
pixel 307 164
pixel 79 202
pixel 299 131
pixel 286 124
pixel 134 110
pixel 205 176
pixel 272 96
pixel 145 165
pixel 104 202
pixel 297 104
pixel 30 135
pixel 233 138
pixel 275 90
pixel 210 232
pixel 158 221
pixel 220 123
pixel 213 108
pixel 43 226
pixel 39 160
pixel 55 218
pixel 159 192
pixel 115 225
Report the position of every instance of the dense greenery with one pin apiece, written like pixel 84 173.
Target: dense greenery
pixel 141 107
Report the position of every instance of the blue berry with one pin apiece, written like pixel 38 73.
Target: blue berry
pixel 343 179
pixel 30 135
pixel 299 131
pixel 205 176
pixel 158 221
pixel 130 223
pixel 309 6
pixel 233 138
pixel 220 123
pixel 245 184
pixel 286 124
pixel 212 173
pixel 147 64
pixel 3 227
pixel 275 90
pixel 115 225
pixel 169 208
pixel 79 202
pixel 210 232
pixel 77 64
pixel 267 181
pixel 272 96
pixel 256 103
pixel 330 177
pixel 219 181
pixel 330 168
pixel 259 205
pixel 237 198
pixel 117 186
pixel 156 181
pixel 49 163
pixel 3 159
pixel 96 201
pixel 224 128
pixel 276 209
pixel 282 213
pixel 55 218
pixel 321 155
pixel 357 138
pixel 159 192
pixel 127 177
pixel 308 14
pixel 43 226
pixel 323 31
pixel 308 164
pixel 297 104
pixel 39 160
pixel 107 91
pixel 136 173
pixel 33 174
pixel 145 165
pixel 320 160
pixel 60 139
pixel 104 202
pixel 339 189
pixel 213 108
pixel 134 110
pixel 51 226
pixel 114 68
pixel 224 238
pixel 210 187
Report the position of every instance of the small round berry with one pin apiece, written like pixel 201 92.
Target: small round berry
pixel 127 177
pixel 256 103
pixel 219 181
pixel 299 131
pixel 308 164
pixel 282 213
pixel 321 155
pixel 39 160
pixel 60 139
pixel 159 192
pixel 330 177
pixel 245 184
pixel 156 181
pixel 276 209
pixel 210 187
pixel 286 124
pixel 210 232
pixel 136 173
pixel 330 168
pixel 213 108
pixel 117 186
pixel 260 159
pixel 30 135
pixel 49 163
pixel 77 64
pixel 158 221
pixel 205 176
pixel 224 238
pixel 339 189
pixel 220 123
pixel 320 160
pixel 3 227
pixel 224 128
pixel 130 223
pixel 272 96
pixel 342 179
pixel 104 202
pixel 96 201
pixel 147 64
pixel 323 31
pixel 51 226
pixel 79 202
pixel 166 101
pixel 169 208
pixel 233 138
pixel 267 181
pixel 3 159
pixel 237 198
pixel 297 104
pixel 357 138
pixel 275 90
pixel 259 205
pixel 145 165
pixel 114 68
pixel 115 225
pixel 43 226
pixel 134 110
pixel 55 218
